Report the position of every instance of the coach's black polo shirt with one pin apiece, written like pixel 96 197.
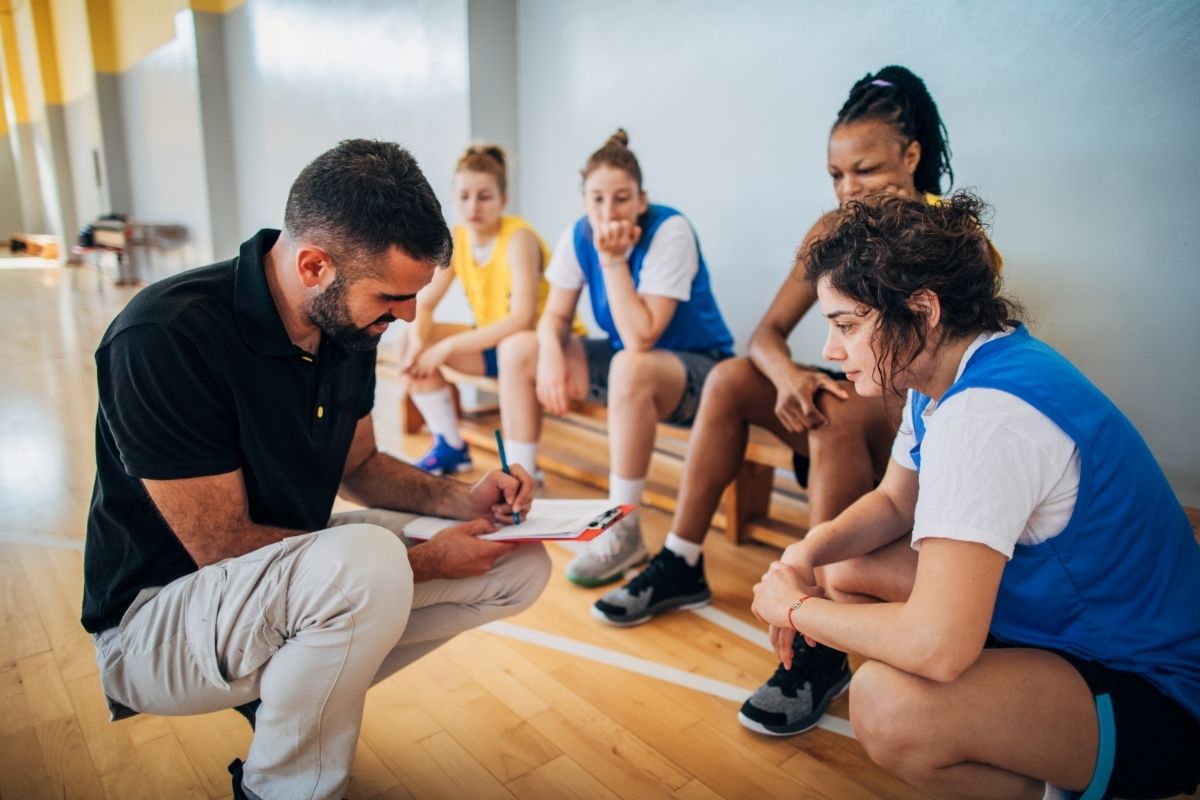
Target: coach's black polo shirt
pixel 197 377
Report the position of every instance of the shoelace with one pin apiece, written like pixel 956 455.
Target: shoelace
pixel 658 568
pixel 792 679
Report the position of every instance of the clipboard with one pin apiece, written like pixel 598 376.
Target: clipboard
pixel 547 521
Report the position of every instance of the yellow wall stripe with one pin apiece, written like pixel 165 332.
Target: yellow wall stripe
pixel 216 6
pixel 100 27
pixel 74 51
pixel 3 94
pixel 12 65
pixel 47 52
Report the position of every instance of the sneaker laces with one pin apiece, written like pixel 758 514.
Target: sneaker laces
pixel 791 681
pixel 656 570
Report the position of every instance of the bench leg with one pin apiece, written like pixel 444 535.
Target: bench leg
pixel 747 497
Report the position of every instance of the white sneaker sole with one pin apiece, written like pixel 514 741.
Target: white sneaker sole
pixel 610 577
pixel 598 614
pixel 758 727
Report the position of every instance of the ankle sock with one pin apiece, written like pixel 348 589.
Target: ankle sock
pixel 688 551
pixel 625 491
pixel 437 407
pixel 523 453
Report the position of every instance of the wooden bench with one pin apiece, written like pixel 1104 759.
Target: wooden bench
pixel 753 507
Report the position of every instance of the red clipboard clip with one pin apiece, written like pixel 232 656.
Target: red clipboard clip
pixel 603 522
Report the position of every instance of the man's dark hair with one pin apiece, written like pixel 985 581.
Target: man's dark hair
pixel 881 251
pixel 896 96
pixel 363 197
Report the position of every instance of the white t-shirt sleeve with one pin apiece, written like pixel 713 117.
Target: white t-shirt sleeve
pixel 672 261
pixel 996 471
pixel 564 270
pixel 906 437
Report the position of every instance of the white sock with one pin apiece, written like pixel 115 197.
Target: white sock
pixel 523 453
pixel 625 491
pixel 437 407
pixel 1055 793
pixel 689 551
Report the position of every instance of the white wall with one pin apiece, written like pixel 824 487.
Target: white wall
pixel 305 74
pixel 394 70
pixel 160 110
pixel 1077 123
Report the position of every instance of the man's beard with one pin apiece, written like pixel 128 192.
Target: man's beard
pixel 330 312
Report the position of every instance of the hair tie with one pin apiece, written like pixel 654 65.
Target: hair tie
pixel 882 82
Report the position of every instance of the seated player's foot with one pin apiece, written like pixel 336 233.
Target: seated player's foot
pixel 668 583
pixel 608 555
pixel 443 459
pixel 793 700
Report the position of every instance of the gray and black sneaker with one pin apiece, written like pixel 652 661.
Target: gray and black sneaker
pixel 666 584
pixel 606 557
pixel 793 700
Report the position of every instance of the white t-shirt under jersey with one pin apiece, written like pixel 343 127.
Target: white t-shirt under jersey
pixel 994 469
pixel 670 266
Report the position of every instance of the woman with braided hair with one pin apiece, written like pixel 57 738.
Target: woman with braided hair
pixel 888 137
pixel 1046 641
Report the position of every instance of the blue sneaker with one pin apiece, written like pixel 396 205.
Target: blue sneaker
pixel 442 459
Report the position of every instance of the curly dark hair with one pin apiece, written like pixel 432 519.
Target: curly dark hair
pixel 363 197
pixel 881 251
pixel 896 96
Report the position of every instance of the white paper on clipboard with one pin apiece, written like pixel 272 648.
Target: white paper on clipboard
pixel 548 519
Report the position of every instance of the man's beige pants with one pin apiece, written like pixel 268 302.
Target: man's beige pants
pixel 307 624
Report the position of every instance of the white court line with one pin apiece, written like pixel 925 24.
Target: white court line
pixel 750 633
pixel 42 540
pixel 679 677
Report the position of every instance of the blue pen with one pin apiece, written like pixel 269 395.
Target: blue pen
pixel 507 471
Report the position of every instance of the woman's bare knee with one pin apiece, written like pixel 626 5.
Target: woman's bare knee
pixel 731 382
pixel 891 716
pixel 843 580
pixel 517 354
pixel 637 380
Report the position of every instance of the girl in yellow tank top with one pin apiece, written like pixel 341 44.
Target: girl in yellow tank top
pixel 499 260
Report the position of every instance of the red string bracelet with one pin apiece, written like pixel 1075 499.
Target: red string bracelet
pixel 793 607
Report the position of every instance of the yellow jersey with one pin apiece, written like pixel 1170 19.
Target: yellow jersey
pixel 488 286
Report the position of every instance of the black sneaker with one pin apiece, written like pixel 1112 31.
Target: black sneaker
pixel 793 700
pixel 666 584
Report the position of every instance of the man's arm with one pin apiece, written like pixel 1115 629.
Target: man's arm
pixel 211 516
pixel 377 480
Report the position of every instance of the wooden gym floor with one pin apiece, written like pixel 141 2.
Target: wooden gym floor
pixel 549 704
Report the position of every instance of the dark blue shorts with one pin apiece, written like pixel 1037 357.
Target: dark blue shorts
pixel 491 366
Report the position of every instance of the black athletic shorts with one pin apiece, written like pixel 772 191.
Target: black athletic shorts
pixel 696 366
pixel 1149 743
